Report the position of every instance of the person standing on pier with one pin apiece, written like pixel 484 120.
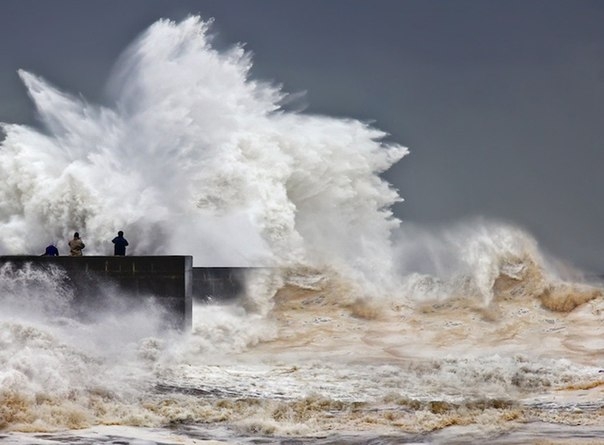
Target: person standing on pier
pixel 76 245
pixel 120 243
pixel 51 250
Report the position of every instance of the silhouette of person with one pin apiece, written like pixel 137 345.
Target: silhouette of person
pixel 76 245
pixel 120 244
pixel 51 250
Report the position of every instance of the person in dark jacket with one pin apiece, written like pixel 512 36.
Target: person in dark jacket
pixel 120 244
pixel 51 250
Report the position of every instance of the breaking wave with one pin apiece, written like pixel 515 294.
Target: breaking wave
pixel 194 157
pixel 357 324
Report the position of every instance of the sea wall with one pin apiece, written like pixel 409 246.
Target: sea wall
pixel 218 283
pixel 170 280
pixel 97 279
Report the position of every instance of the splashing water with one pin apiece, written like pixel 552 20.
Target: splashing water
pixel 196 158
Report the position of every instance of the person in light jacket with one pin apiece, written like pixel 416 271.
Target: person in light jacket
pixel 76 245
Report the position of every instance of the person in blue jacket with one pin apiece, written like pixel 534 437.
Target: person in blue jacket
pixel 120 244
pixel 51 250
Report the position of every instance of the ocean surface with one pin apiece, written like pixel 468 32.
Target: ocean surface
pixel 358 329
pixel 319 366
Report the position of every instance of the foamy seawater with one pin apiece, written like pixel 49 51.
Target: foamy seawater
pixel 356 330
pixel 319 367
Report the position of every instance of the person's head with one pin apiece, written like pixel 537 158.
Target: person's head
pixel 120 233
pixel 76 235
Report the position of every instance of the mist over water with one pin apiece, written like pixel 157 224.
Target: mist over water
pixel 364 326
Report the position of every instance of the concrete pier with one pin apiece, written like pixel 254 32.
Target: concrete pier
pixel 168 279
pixel 218 283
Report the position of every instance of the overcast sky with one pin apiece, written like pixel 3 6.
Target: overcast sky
pixel 500 102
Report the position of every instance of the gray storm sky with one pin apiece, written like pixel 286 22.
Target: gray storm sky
pixel 500 102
